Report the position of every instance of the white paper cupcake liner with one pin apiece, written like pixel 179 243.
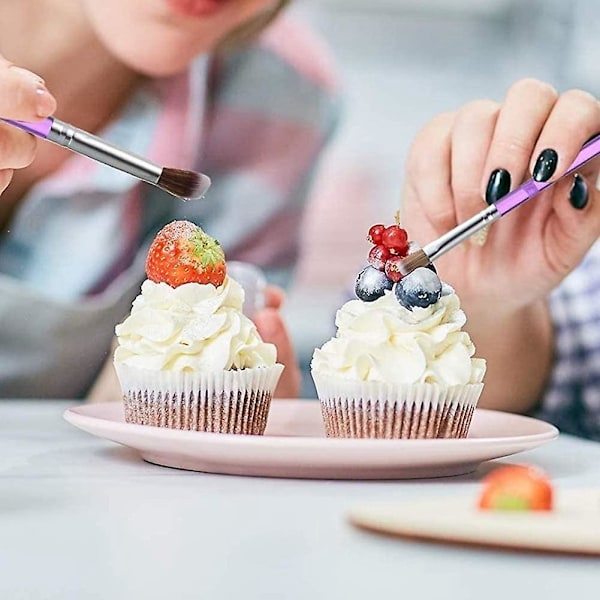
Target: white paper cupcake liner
pixel 222 401
pixel 368 409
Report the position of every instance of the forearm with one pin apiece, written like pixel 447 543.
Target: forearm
pixel 519 354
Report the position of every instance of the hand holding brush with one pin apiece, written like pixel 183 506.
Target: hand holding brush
pixel 465 171
pixel 178 182
pixel 526 191
pixel 473 162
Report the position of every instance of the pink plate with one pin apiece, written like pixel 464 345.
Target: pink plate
pixel 295 445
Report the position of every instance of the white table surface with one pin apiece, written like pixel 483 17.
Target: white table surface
pixel 83 518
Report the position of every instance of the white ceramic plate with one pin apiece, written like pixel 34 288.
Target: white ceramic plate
pixel 294 445
pixel 573 526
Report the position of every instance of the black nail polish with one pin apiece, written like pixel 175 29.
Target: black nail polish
pixel 498 186
pixel 545 165
pixel 578 196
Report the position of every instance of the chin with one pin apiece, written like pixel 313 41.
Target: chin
pixel 159 53
pixel 159 65
pixel 159 60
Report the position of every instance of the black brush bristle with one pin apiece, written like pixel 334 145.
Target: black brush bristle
pixel 184 184
pixel 413 261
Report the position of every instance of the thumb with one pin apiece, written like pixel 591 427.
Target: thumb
pixel 23 94
pixel 272 329
pixel 274 296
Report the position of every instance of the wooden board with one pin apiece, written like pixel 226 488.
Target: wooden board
pixel 573 527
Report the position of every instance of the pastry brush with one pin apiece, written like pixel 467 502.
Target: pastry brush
pixel 178 182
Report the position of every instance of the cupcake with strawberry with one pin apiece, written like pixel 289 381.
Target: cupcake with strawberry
pixel 400 364
pixel 187 357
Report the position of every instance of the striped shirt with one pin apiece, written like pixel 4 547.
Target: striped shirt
pixel 72 259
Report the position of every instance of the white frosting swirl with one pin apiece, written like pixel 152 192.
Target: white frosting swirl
pixel 383 341
pixel 192 327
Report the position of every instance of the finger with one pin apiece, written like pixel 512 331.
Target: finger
pixel 574 118
pixel 428 175
pixel 274 296
pixel 471 138
pixel 5 178
pixel 526 108
pixel 17 148
pixel 571 231
pixel 272 329
pixel 24 95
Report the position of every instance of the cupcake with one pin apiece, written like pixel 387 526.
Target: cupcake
pixel 400 364
pixel 187 357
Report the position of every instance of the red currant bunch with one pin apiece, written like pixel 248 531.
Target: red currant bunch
pixel 390 245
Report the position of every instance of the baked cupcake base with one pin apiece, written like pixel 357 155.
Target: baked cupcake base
pixel 222 402
pixel 353 409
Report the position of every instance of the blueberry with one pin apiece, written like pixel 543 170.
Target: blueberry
pixel 371 283
pixel 420 288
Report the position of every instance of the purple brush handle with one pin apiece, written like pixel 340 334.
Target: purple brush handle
pixel 41 129
pixel 531 188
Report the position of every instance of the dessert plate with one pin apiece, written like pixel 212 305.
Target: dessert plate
pixel 573 526
pixel 294 445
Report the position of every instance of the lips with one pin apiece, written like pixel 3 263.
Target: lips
pixel 196 8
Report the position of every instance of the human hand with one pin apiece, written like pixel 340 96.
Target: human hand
pixel 271 327
pixel 23 96
pixel 531 250
pixel 106 387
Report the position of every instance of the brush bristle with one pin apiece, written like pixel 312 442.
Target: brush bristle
pixel 184 184
pixel 413 261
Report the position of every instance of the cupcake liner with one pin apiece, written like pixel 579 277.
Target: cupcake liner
pixel 370 409
pixel 221 401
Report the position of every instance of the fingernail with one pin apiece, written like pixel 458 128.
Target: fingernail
pixel 578 196
pixel 45 104
pixel 498 186
pixel 545 165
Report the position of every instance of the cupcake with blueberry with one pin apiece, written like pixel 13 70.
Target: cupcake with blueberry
pixel 187 356
pixel 400 364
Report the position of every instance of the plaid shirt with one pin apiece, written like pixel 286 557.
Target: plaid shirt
pixel 572 400
pixel 72 259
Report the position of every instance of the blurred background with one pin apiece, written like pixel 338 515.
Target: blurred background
pixel 400 63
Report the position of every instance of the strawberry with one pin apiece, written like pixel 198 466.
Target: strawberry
pixel 516 487
pixel 182 253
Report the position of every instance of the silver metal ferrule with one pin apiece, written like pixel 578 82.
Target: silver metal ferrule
pixel 461 232
pixel 93 147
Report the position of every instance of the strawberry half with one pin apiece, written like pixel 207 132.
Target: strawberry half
pixel 182 253
pixel 516 487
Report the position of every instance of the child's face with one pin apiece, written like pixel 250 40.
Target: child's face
pixel 161 37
